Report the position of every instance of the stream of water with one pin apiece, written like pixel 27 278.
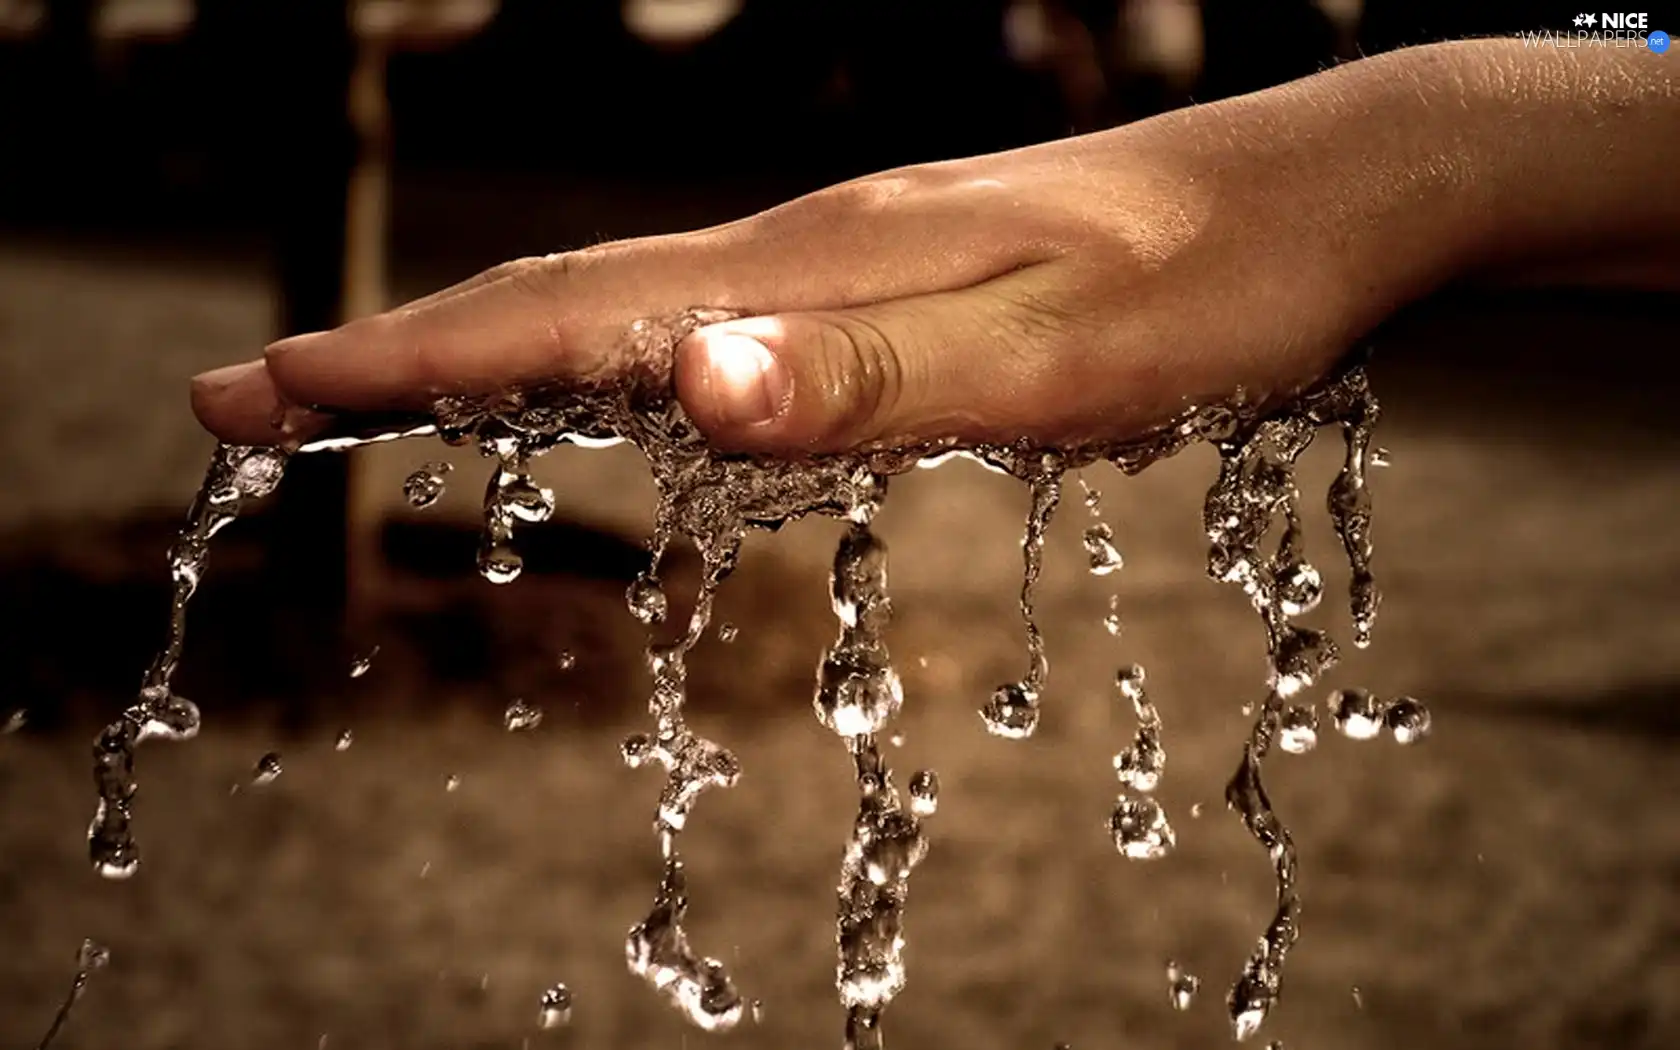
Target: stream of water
pixel 1252 516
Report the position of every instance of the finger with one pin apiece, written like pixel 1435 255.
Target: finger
pixel 989 363
pixel 563 316
pixel 241 405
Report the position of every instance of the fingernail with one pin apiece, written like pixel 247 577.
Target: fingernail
pixel 748 385
pixel 294 343
pixel 245 375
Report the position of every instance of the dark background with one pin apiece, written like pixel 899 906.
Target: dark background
pixel 173 197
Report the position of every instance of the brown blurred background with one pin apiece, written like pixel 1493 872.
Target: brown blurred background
pixel 183 182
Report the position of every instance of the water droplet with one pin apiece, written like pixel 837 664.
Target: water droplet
pixel 1358 998
pixel 1112 624
pixel 555 1010
pixel 1356 713
pixel 452 782
pixel 856 693
pixel 1139 767
pixel 1182 986
pixel 259 473
pixel 1104 558
pixel 359 666
pixel 1275 1044
pixel 1380 457
pixel 1300 588
pixel 14 722
pixel 499 563
pixel 1140 829
pixel 1012 712
pixel 896 740
pixel 1196 811
pixel 636 749
pixel 924 792
pixel 526 500
pixel 426 485
pixel 1408 719
pixel 92 956
pixel 267 769
pixel 425 870
pixel 647 601
pixel 175 719
pixel 1298 729
pixel 758 1011
pixel 345 739
pixel 566 660
pixel 727 632
pixel 521 716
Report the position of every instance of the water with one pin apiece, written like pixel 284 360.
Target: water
pixel 521 717
pixel 425 486
pixel 236 475
pixel 267 770
pixel 91 957
pixel 712 501
pixel 360 665
pixel 1182 986
pixel 555 1009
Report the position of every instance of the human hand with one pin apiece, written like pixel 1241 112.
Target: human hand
pixel 1087 288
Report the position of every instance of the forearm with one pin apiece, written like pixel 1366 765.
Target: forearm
pixel 1562 161
pixel 1462 161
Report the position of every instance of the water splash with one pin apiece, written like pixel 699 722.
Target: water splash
pixel 1013 710
pixel 236 475
pixel 91 957
pixel 712 500
pixel 1255 490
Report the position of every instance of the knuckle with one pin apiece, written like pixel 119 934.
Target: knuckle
pixel 864 376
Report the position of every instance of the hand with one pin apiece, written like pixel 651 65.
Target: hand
pixel 1080 289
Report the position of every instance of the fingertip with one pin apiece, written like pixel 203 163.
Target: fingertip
pixel 239 404
pixel 732 381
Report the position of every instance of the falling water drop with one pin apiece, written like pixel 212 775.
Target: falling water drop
pixel 1140 829
pixel 267 769
pixel 1182 986
pixel 924 793
pixel 727 632
pixel 14 722
pixel 425 486
pixel 1103 556
pixel 1356 713
pixel 359 666
pixel 452 782
pixel 499 563
pixel 1298 729
pixel 1380 457
pixel 647 601
pixel 555 1009
pixel 1012 712
pixel 1408 720
pixel 345 739
pixel 566 660
pixel 521 716
pixel 1300 588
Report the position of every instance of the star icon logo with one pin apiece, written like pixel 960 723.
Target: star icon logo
pixel 1592 20
pixel 1580 20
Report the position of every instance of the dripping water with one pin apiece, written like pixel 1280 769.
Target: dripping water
pixel 90 959
pixel 712 500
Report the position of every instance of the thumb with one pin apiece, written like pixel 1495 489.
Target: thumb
pixel 949 365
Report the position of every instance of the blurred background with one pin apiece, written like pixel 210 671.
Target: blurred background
pixel 183 182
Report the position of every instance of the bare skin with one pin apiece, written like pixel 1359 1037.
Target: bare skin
pixel 1084 288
